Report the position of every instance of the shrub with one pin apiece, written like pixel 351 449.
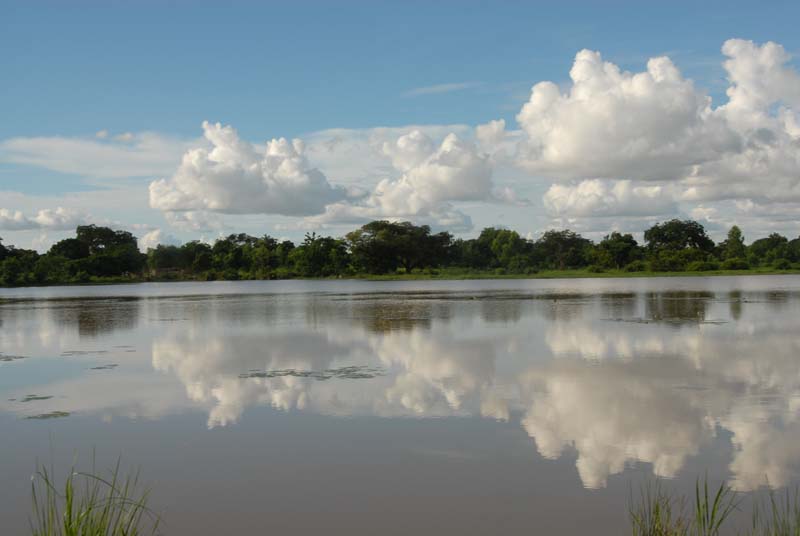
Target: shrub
pixel 702 266
pixel 636 266
pixel 735 264
pixel 669 261
pixel 782 264
pixel 596 269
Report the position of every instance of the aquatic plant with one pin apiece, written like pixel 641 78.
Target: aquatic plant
pixel 658 513
pixel 777 515
pixel 89 504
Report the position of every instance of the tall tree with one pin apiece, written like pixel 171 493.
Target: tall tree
pixel 678 234
pixel 733 247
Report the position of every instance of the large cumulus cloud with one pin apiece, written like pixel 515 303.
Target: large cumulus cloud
pixel 650 142
pixel 232 177
pixel 433 176
pixel 614 124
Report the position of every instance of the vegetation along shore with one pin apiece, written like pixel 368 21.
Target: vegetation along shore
pixel 390 250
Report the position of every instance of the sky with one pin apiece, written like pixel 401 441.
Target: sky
pixel 191 120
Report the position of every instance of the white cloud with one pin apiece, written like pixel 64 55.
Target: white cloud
pixel 155 237
pixel 433 178
pixel 194 221
pixel 145 154
pixel 596 197
pixel 440 88
pixel 58 219
pixel 232 177
pixel 657 126
pixel 651 125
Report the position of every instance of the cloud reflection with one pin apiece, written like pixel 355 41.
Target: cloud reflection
pixel 613 379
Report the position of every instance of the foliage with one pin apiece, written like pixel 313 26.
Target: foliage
pixel 735 264
pixel 678 235
pixel 90 504
pixel 657 513
pixel 391 249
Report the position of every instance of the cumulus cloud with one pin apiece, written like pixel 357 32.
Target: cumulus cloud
pixel 155 237
pixel 201 221
pixel 614 124
pixel 433 177
pixel 233 177
pixel 596 197
pixel 611 130
pixel 58 219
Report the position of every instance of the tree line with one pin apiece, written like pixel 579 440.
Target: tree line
pixel 98 254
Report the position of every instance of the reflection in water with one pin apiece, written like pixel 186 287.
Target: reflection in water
pixel 100 317
pixel 677 306
pixel 611 378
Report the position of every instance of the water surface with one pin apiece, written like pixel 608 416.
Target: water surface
pixel 433 407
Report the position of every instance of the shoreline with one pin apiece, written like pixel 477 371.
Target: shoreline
pixel 444 276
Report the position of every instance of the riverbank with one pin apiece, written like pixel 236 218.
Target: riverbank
pixel 444 275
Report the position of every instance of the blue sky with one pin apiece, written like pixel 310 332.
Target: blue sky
pixel 293 69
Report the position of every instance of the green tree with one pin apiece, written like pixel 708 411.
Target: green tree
pixel 618 250
pixel 562 249
pixel 70 248
pixel 382 246
pixel 733 246
pixel 678 234
pixel 768 250
pixel 320 256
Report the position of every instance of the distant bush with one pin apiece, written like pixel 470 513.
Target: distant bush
pixel 636 266
pixel 782 264
pixel 596 269
pixel 668 261
pixel 702 266
pixel 735 264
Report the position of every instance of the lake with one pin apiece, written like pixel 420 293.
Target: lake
pixel 425 407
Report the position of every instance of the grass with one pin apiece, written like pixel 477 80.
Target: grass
pixel 777 515
pixel 456 274
pixel 659 513
pixel 445 274
pixel 89 504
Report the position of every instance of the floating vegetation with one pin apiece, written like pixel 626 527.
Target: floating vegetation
pixel 354 372
pixel 47 416
pixel 73 353
pixel 105 367
pixel 9 358
pixel 674 320
pixel 34 398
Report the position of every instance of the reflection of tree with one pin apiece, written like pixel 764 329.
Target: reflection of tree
pixel 95 317
pixel 504 311
pixel 618 304
pixel 735 304
pixel 381 316
pixel 678 307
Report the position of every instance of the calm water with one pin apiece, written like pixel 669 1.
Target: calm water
pixel 469 407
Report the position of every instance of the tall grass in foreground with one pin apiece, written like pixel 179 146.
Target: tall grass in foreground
pixel 658 513
pixel 90 505
pixel 777 515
